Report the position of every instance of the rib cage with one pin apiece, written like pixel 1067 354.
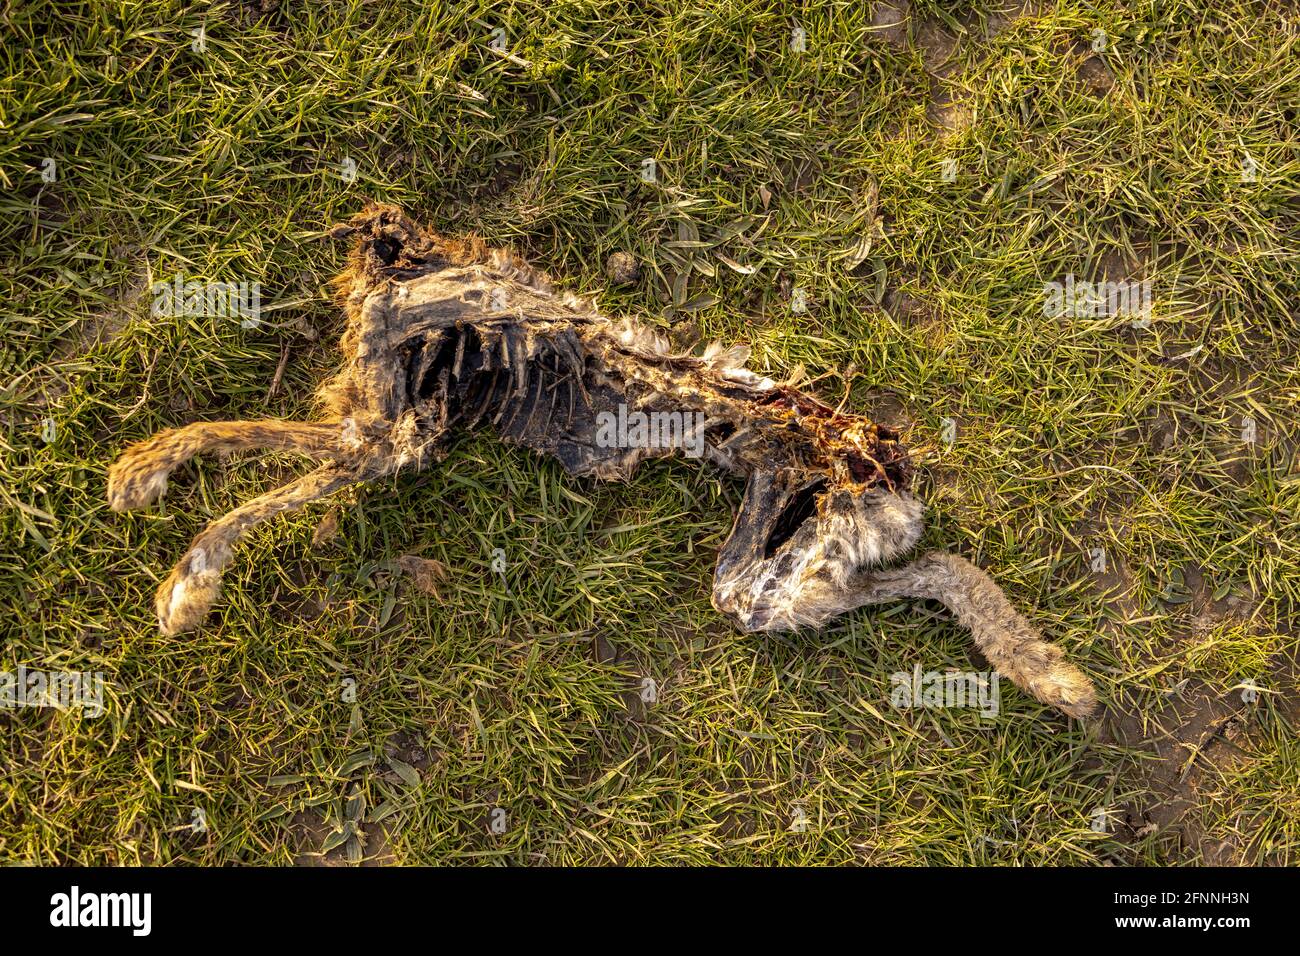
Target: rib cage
pixel 530 389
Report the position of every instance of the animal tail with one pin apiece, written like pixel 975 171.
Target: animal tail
pixel 1012 645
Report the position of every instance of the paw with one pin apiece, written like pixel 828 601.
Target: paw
pixel 132 486
pixel 187 595
pixel 1069 691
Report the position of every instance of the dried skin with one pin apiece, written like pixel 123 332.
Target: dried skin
pixel 445 335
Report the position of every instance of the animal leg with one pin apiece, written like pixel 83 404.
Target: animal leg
pixel 1012 645
pixel 139 477
pixel 184 598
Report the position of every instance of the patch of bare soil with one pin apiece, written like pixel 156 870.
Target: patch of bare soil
pixel 1116 588
pixel 312 835
pixel 1195 729
pixel 1207 611
pixel 890 20
pixel 938 46
pixel 1190 739
pixel 1096 76
pixel 245 13
pixel 640 693
pixel 1185 740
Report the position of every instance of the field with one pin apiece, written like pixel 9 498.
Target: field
pixel 882 193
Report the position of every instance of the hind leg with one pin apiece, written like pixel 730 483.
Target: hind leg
pixel 187 594
pixel 139 476
pixel 1012 645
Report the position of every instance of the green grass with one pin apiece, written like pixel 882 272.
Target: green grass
pixel 822 170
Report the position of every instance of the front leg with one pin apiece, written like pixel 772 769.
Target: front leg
pixel 189 591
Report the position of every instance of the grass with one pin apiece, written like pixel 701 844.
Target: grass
pixel 331 712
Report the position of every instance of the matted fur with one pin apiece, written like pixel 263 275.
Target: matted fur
pixel 444 334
